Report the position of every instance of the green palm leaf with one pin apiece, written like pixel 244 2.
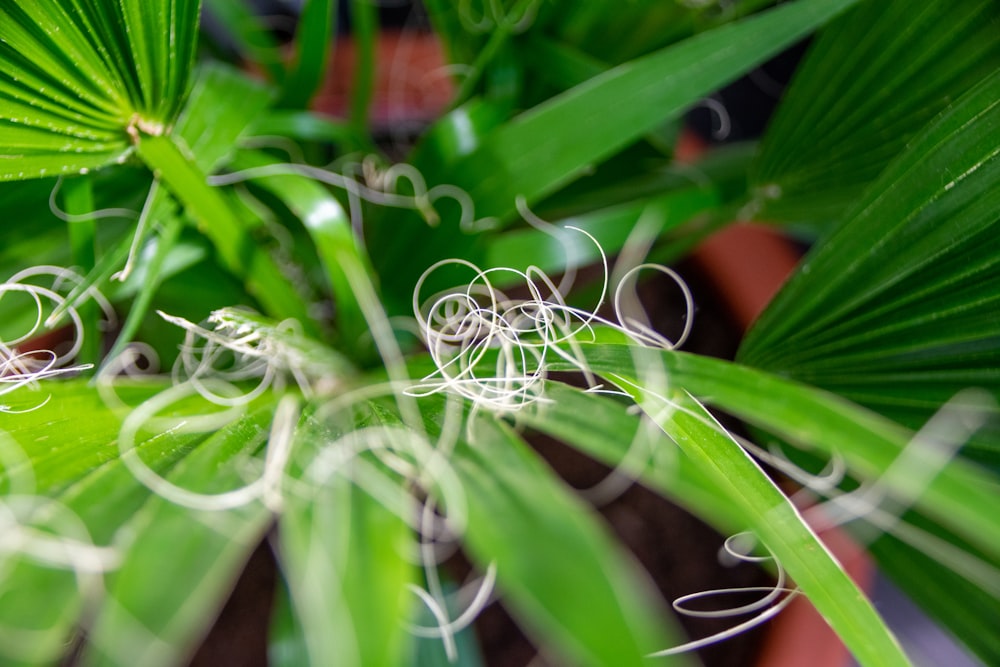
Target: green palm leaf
pixel 83 474
pixel 874 77
pixel 552 144
pixel 897 310
pixel 77 77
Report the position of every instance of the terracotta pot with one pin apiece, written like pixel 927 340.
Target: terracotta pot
pixel 412 85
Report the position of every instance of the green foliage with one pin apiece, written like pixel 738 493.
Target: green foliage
pixel 895 310
pixel 81 77
pixel 553 143
pixel 861 95
pixel 128 507
pixel 517 502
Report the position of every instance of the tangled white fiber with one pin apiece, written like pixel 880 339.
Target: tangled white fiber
pixel 495 350
pixel 242 346
pixel 25 368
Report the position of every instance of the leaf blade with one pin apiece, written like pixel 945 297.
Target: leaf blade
pixel 590 607
pixel 856 102
pixel 905 288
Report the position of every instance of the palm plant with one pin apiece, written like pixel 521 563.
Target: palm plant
pixel 373 436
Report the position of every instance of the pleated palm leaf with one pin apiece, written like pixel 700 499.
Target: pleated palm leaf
pixel 83 80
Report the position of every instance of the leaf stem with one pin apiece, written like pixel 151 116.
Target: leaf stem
pixel 227 231
pixel 364 26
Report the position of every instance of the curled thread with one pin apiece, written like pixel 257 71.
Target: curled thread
pixel 241 346
pixel 493 16
pixel 494 350
pixel 380 188
pixel 446 629
pixel 25 368
pixel 772 601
